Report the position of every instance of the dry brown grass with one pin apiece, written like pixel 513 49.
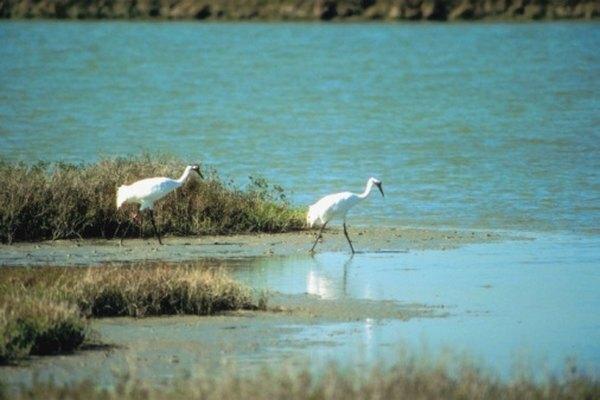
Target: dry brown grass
pixel 61 201
pixel 158 290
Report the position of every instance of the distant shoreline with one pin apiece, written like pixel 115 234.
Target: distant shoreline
pixel 301 10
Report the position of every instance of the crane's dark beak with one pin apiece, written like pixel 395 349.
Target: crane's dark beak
pixel 199 173
pixel 380 189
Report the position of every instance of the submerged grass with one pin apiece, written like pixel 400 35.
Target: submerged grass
pixel 44 310
pixel 59 201
pixel 411 379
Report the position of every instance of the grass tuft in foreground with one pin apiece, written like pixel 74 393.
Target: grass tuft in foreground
pixel 61 201
pixel 38 325
pixel 402 381
pixel 44 310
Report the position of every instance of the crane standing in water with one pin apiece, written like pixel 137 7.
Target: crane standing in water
pixel 336 206
pixel 147 191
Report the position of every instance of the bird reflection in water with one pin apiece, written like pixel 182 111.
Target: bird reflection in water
pixel 326 280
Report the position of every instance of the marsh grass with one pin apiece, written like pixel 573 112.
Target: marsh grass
pixel 60 201
pixel 44 310
pixel 38 325
pixel 411 379
pixel 158 290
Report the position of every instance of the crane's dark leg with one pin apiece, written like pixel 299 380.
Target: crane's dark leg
pixel 349 242
pixel 133 217
pixel 125 231
pixel 154 225
pixel 139 217
pixel 319 236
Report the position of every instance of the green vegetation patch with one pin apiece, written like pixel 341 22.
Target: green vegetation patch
pixel 44 201
pixel 44 310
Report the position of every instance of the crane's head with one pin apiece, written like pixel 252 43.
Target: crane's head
pixel 196 168
pixel 377 183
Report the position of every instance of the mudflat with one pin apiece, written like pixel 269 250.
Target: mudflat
pixel 179 249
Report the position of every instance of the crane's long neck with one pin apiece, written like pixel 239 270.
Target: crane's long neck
pixel 367 191
pixel 184 176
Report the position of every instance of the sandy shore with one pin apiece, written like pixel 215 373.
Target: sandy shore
pixel 177 249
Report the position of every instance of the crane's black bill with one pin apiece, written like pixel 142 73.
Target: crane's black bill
pixel 197 169
pixel 380 188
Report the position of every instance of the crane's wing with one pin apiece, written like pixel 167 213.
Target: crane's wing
pixel 151 189
pixel 330 206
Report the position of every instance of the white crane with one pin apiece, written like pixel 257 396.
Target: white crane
pixel 147 191
pixel 336 206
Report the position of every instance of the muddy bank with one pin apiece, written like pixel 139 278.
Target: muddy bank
pixel 175 249
pixel 158 349
pixel 302 10
pixel 308 308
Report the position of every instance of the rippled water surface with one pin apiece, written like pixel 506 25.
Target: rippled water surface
pixel 484 125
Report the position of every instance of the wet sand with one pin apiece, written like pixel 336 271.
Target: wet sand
pixel 177 249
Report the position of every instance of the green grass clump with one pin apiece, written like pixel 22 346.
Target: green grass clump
pixel 403 381
pixel 38 325
pixel 60 201
pixel 44 310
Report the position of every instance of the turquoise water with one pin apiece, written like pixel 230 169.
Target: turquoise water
pixel 468 125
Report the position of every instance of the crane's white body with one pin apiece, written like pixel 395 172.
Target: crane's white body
pixel 337 205
pixel 147 191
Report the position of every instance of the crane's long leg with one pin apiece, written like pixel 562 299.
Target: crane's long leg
pixel 154 225
pixel 140 216
pixel 319 236
pixel 125 231
pixel 346 234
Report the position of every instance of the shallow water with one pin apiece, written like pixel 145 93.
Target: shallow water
pixel 468 125
pixel 532 301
